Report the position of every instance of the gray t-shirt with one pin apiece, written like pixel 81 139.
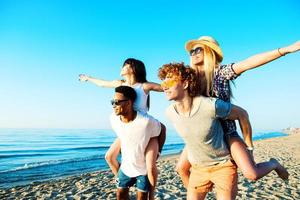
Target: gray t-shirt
pixel 202 131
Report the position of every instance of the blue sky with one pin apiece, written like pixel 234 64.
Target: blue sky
pixel 44 45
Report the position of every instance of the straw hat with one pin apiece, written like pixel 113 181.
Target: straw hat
pixel 206 41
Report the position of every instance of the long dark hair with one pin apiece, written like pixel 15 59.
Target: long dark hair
pixel 139 71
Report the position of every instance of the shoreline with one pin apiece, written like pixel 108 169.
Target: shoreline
pixel 106 170
pixel 100 184
pixel 100 166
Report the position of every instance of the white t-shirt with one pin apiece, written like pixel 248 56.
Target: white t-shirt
pixel 134 137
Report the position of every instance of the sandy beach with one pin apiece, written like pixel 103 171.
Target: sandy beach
pixel 100 184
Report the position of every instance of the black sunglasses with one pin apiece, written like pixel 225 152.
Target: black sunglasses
pixel 195 51
pixel 117 102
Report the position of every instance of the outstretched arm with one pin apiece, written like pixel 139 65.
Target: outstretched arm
pixel 99 82
pixel 150 86
pixel 238 113
pixel 264 58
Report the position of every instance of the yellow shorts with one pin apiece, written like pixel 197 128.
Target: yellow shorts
pixel 223 176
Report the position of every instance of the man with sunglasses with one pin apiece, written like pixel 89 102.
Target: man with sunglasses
pixel 134 129
pixel 195 118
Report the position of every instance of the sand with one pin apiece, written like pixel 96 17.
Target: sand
pixel 100 184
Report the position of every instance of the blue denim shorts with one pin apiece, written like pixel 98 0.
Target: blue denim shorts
pixel 142 182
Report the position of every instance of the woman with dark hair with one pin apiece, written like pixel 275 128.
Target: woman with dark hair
pixel 134 74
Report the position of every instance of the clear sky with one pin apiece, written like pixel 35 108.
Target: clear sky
pixel 44 45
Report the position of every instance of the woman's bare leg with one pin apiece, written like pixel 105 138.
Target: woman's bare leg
pixel 246 164
pixel 112 155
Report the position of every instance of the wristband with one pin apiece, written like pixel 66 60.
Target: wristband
pixel 250 148
pixel 281 54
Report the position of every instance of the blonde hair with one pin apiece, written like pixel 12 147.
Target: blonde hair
pixel 211 62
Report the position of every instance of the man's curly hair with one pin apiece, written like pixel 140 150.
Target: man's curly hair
pixel 183 73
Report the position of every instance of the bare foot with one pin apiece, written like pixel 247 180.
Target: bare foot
pixel 280 170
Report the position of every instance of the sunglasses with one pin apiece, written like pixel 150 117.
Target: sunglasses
pixel 117 102
pixel 195 51
pixel 169 83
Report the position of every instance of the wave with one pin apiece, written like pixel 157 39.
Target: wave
pixel 58 150
pixel 6 145
pixel 173 146
pixel 263 135
pixel 24 155
pixel 89 148
pixel 52 162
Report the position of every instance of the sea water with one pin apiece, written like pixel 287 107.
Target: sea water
pixel 28 155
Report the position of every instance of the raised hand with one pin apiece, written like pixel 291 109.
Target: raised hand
pixel 83 77
pixel 291 48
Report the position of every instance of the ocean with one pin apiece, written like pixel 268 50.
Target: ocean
pixel 29 155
